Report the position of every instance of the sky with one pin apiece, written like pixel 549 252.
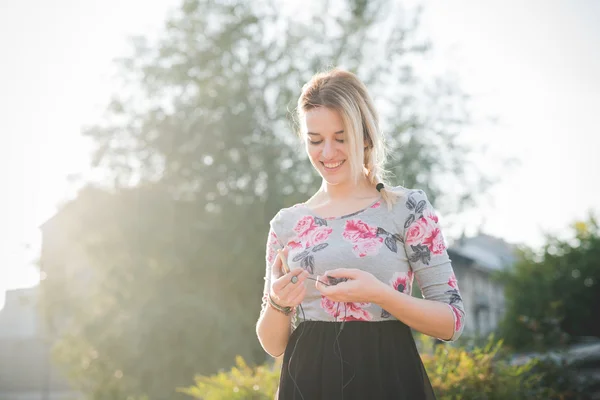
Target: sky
pixel 532 65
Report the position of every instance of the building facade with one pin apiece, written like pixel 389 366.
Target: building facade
pixel 26 368
pixel 476 260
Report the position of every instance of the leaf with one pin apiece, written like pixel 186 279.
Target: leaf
pixel 385 314
pixel 381 231
pixel 420 207
pixel 311 263
pixel 320 247
pixel 454 296
pixel 304 264
pixel 410 203
pixel 308 264
pixel 391 244
pixel 300 256
pixel 420 253
pixel 320 221
pixel 398 237
pixel 409 221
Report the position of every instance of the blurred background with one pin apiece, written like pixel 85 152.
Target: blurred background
pixel 146 146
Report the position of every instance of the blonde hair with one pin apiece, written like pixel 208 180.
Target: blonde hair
pixel 343 92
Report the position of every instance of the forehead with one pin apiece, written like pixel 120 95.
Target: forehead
pixel 323 120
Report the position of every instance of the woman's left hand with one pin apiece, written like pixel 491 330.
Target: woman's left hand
pixel 361 286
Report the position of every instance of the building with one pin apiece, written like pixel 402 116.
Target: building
pixel 475 261
pixel 26 369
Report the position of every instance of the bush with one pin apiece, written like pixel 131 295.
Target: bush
pixel 240 383
pixel 484 373
pixel 455 373
pixel 563 380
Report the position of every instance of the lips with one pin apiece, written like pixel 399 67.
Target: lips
pixel 332 165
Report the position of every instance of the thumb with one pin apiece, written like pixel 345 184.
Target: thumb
pixel 283 255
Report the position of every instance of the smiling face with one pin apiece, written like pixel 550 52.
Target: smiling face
pixel 326 146
pixel 340 127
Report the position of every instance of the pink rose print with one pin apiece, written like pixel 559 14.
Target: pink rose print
pixel 457 318
pixel 357 230
pixel 310 234
pixel 365 239
pixel 272 243
pixel 376 205
pixel 346 311
pixel 304 226
pixel 368 247
pixel 318 235
pixel 429 214
pixel 313 233
pixel 417 231
pixel 425 231
pixel 402 281
pixel 453 282
pixel 293 244
pixel 435 241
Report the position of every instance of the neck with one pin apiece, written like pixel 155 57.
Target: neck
pixel 362 188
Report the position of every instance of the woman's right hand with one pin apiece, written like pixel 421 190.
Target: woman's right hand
pixel 284 292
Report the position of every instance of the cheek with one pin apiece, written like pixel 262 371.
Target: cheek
pixel 312 151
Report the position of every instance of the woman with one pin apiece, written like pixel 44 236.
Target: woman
pixel 341 314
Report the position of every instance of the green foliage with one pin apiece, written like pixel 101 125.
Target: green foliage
pixel 209 107
pixel 134 316
pixel 549 294
pixel 562 380
pixel 240 383
pixel 455 373
pixel 480 373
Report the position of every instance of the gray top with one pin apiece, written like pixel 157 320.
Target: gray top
pixel 394 245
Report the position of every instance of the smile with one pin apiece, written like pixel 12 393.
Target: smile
pixel 333 165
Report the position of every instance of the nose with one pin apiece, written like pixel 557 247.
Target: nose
pixel 328 150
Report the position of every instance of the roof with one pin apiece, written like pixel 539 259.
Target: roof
pixel 488 252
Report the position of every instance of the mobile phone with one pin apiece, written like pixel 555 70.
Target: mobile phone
pixel 334 281
pixel 284 265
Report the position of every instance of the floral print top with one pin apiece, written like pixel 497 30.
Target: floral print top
pixel 396 246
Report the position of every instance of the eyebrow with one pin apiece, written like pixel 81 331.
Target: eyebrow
pixel 314 134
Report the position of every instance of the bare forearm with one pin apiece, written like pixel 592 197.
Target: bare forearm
pixel 430 317
pixel 273 331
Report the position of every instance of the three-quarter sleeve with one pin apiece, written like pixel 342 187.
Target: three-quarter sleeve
pixel 270 256
pixel 427 255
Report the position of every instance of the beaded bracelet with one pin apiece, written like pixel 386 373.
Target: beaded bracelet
pixel 281 309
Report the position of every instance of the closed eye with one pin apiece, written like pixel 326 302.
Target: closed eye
pixel 320 141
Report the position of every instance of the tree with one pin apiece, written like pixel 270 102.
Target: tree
pixel 199 148
pixel 135 314
pixel 550 296
pixel 208 109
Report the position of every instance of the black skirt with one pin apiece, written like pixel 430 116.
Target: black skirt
pixel 359 360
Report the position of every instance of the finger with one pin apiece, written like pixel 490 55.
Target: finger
pixel 282 256
pixel 295 276
pixel 322 286
pixel 301 276
pixel 276 266
pixel 296 298
pixel 295 290
pixel 284 285
pixel 343 273
pixel 290 293
pixel 285 279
